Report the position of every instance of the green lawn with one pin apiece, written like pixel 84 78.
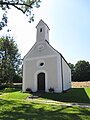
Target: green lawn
pixel 79 95
pixel 15 106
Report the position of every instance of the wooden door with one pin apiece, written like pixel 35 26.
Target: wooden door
pixel 41 81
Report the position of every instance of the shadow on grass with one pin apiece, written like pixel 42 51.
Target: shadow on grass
pixel 78 95
pixel 13 110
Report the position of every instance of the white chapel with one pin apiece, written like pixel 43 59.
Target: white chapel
pixel 43 66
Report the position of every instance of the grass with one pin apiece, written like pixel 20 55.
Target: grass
pixel 15 106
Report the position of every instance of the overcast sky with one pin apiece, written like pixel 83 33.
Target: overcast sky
pixel 69 23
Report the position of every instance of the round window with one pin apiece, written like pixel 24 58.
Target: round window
pixel 41 64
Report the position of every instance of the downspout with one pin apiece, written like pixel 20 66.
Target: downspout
pixel 62 72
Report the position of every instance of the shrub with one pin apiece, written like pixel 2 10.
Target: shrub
pixel 51 89
pixel 29 90
pixel 9 89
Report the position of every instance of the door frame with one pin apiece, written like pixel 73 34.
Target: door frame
pixel 35 80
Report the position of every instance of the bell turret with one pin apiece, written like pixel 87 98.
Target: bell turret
pixel 42 31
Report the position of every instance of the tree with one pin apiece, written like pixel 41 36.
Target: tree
pixel 25 6
pixel 82 70
pixel 72 70
pixel 11 60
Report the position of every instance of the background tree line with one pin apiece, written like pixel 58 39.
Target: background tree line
pixel 80 71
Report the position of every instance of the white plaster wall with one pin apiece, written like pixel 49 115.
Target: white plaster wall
pixel 24 83
pixel 59 74
pixel 47 34
pixel 50 69
pixel 35 52
pixel 44 35
pixel 40 35
pixel 66 75
pixel 28 71
pixel 52 77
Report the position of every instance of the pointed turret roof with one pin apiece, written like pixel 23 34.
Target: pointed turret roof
pixel 41 23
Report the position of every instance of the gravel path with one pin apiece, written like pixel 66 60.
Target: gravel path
pixel 52 102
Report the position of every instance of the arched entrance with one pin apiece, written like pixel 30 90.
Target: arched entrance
pixel 41 82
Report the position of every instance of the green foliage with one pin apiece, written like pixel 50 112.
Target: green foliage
pixel 72 70
pixel 80 71
pixel 11 60
pixel 17 79
pixel 25 6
